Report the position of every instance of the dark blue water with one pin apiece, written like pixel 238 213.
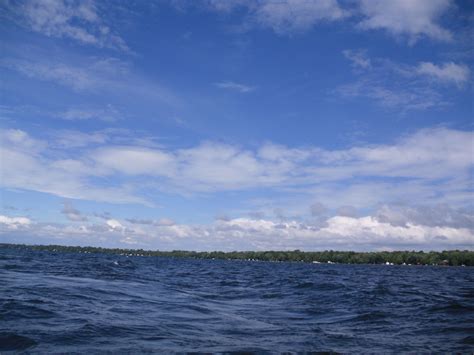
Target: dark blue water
pixel 53 302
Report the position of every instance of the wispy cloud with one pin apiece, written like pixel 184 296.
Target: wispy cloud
pixel 446 72
pixel 230 85
pixel 416 165
pixel 292 16
pixel 92 74
pixel 24 157
pixel 285 17
pixel 79 21
pixel 160 222
pixel 109 75
pixel 76 78
pixel 67 139
pixel 358 58
pixel 410 19
pixel 392 96
pixel 413 19
pixel 400 86
pixel 107 114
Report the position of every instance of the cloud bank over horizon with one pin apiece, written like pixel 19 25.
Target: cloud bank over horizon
pixel 388 229
pixel 341 178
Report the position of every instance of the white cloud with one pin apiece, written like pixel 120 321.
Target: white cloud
pixel 91 75
pixel 400 86
pixel 230 85
pixel 283 155
pixel 220 166
pixel 165 222
pixel 399 97
pixel 73 77
pixel 114 224
pixel 224 6
pixel 358 58
pixel 21 160
pixel 419 155
pixel 13 223
pixel 338 232
pixel 284 17
pixel 58 179
pixel 370 230
pixel 160 222
pixel 433 216
pixel 433 164
pixel 21 140
pixel 412 18
pixel 76 20
pixel 107 75
pixel 135 161
pixel 447 72
pixel 107 114
pixel 291 16
pixel 77 139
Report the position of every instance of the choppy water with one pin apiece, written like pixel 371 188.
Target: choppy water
pixel 94 303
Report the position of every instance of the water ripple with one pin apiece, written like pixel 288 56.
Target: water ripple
pixel 63 303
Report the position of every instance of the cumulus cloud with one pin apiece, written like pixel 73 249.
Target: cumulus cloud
pixel 14 223
pixel 338 232
pixel 80 21
pixel 114 224
pixel 411 18
pixel 368 229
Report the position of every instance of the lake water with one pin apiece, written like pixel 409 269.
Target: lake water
pixel 51 302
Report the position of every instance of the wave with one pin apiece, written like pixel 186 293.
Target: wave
pixel 15 342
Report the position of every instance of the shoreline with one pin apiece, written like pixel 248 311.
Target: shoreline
pixel 389 258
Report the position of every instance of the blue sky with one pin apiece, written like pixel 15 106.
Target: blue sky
pixel 237 125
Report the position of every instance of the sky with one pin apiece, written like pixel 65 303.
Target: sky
pixel 237 124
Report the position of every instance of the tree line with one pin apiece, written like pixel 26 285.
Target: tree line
pixel 447 257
